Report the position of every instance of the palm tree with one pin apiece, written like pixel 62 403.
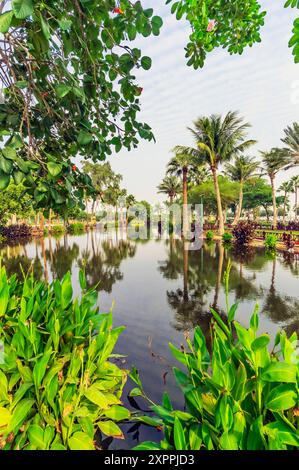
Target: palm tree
pixel 295 182
pixel 170 186
pixel 286 188
pixel 241 170
pixel 218 140
pixel 180 164
pixel 291 139
pixel 274 161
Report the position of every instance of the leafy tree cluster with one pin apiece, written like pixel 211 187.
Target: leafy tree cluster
pixel 230 24
pixel 67 68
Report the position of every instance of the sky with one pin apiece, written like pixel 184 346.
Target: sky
pixel 262 84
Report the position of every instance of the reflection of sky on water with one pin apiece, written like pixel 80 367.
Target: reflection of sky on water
pixel 159 291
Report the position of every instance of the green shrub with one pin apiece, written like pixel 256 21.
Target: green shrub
pixel 76 228
pixel 271 241
pixel 227 237
pixel 209 235
pixel 242 394
pixel 57 384
pixel 57 229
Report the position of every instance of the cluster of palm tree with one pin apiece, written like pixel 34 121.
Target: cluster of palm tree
pixel 221 144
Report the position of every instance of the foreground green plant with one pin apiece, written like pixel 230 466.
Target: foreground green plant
pixel 241 395
pixel 271 241
pixel 227 237
pixel 58 388
pixel 210 235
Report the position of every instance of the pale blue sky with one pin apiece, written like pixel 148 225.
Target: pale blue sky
pixel 263 84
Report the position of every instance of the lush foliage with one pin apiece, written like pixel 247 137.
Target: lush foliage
pixel 241 395
pixel 232 25
pixel 76 228
pixel 57 229
pixel 70 90
pixel 243 232
pixel 15 201
pixel 294 41
pixel 58 388
pixel 14 232
pixel 271 241
pixel 227 237
pixel 210 235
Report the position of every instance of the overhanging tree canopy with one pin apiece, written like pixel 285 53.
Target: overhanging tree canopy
pixel 69 90
pixel 230 24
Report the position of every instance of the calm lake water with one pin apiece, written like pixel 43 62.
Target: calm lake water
pixel 160 291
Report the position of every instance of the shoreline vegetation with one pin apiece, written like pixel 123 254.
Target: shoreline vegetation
pixel 61 387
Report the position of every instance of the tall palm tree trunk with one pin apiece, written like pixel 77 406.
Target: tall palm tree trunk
pixel 284 207
pixel 239 208
pixel 185 202
pixel 185 271
pixel 218 199
pixel 296 203
pixel 272 179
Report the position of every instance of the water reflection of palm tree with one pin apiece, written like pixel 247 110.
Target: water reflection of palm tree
pixel 102 264
pixel 279 307
pixel 21 265
pixel 61 258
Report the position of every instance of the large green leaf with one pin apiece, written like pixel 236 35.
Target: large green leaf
pixel 81 441
pixel 229 441
pixel 179 435
pixel 4 180
pixel 96 397
pixel 280 372
pixel 19 415
pixel 5 165
pixel 146 63
pixel 4 416
pixel 283 397
pixel 22 8
pixel 5 21
pixel 117 413
pixel 36 436
pixel 63 90
pixel 111 429
pixel 54 168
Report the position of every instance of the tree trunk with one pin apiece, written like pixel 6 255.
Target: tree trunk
pixel 296 203
pixel 185 202
pixel 218 199
pixel 284 207
pixel 93 206
pixel 171 220
pixel 239 208
pixel 185 271
pixel 272 179
pixel 42 223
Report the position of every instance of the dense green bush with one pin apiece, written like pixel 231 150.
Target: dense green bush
pixel 58 388
pixel 209 235
pixel 227 237
pixel 242 394
pixel 76 228
pixel 57 229
pixel 271 241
